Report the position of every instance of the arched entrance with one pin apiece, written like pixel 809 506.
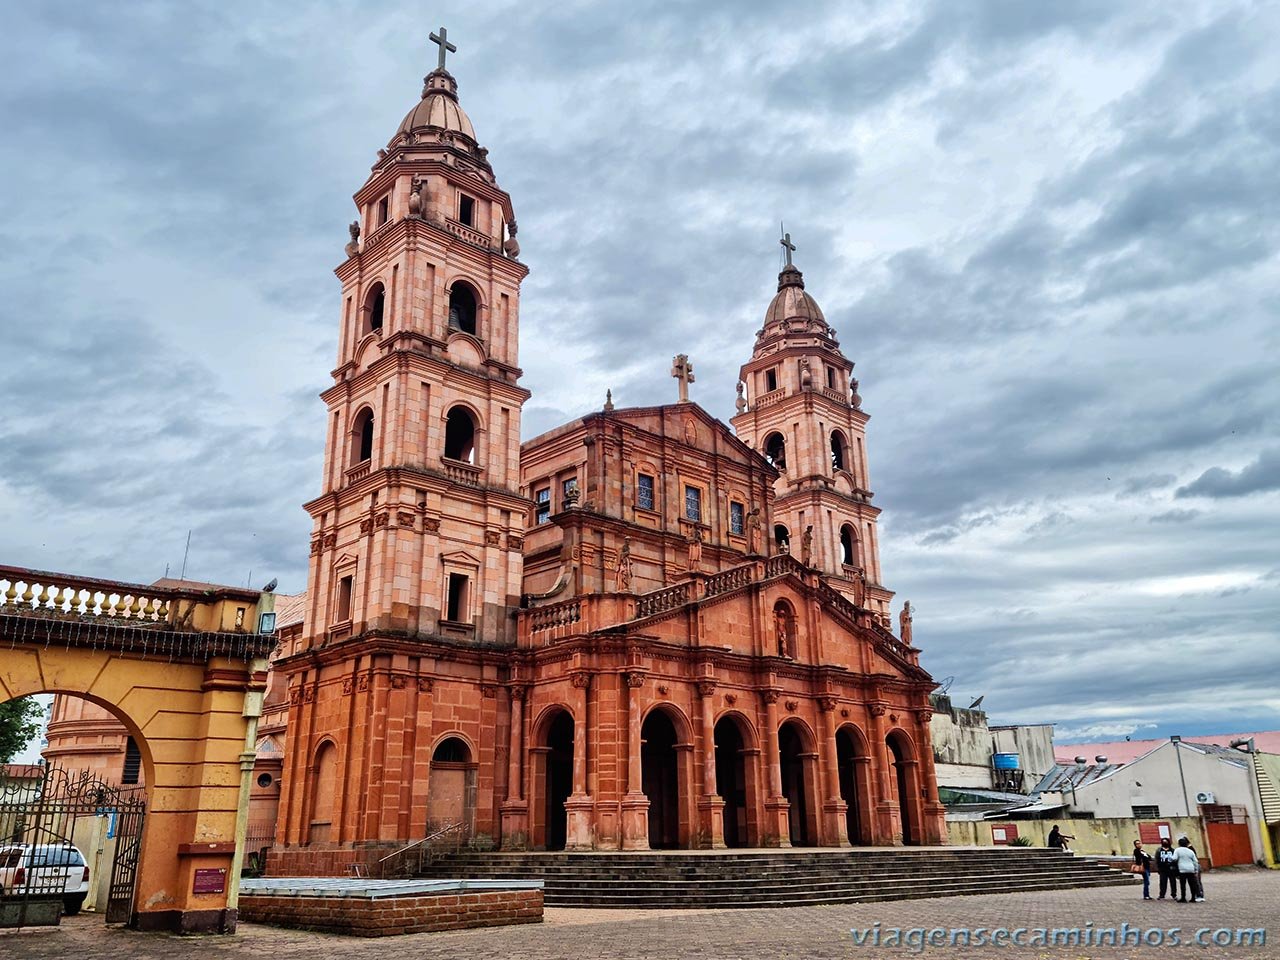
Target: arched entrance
pixel 557 779
pixel 735 781
pixel 854 762
pixel 451 790
pixel 172 665
pixel 798 759
pixel 906 784
pixel 660 779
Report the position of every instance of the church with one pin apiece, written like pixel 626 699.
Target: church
pixel 644 629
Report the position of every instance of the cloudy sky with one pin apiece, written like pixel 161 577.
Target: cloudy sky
pixel 1047 233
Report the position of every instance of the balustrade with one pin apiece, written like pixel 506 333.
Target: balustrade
pixel 465 474
pixel 661 601
pixel 32 592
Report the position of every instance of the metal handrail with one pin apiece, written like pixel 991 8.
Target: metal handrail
pixel 449 828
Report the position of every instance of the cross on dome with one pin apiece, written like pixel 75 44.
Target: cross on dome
pixel 445 46
pixel 788 246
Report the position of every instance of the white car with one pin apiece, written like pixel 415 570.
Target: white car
pixel 45 870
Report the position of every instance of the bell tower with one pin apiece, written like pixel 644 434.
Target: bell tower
pixel 419 528
pixel 798 404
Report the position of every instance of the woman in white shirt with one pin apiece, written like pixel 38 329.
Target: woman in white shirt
pixel 1187 864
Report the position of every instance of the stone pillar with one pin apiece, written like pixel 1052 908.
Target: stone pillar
pixel 935 826
pixel 515 809
pixel 888 812
pixel 777 819
pixel 635 805
pixel 835 809
pixel 579 806
pixel 710 804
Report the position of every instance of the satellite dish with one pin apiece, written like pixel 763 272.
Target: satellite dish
pixel 946 683
pixel 271 587
pixel 977 703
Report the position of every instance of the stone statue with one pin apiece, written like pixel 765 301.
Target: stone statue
pixel 904 623
pixel 418 197
pixel 855 400
pixel 859 588
pixel 753 530
pixel 806 545
pixel 695 549
pixel 512 246
pixel 741 402
pixel 782 626
pixel 806 374
pixel 622 572
pixel 353 247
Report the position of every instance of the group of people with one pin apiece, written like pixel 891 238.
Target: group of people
pixel 1179 870
pixel 1178 867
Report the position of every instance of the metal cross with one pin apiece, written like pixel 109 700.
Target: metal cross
pixel 788 245
pixel 682 370
pixel 445 45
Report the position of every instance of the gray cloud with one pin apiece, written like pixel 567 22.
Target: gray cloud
pixel 1262 474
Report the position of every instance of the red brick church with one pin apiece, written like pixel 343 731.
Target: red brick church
pixel 643 629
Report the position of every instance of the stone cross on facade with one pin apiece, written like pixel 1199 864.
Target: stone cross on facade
pixel 445 46
pixel 682 370
pixel 788 246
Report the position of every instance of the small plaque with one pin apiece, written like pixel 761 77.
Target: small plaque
pixel 210 881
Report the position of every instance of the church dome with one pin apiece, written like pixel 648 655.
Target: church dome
pixel 439 108
pixel 791 302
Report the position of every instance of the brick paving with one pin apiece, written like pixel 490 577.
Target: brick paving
pixel 1238 898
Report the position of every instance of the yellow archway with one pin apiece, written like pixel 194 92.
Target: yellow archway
pixel 183 669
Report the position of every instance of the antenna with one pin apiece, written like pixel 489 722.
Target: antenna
pixel 946 683
pixel 249 579
pixel 183 575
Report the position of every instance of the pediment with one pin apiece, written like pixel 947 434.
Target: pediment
pixel 460 557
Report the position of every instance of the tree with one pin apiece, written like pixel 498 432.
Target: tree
pixel 20 720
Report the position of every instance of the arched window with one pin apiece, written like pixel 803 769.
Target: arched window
pixel 839 451
pixel 460 435
pixel 462 308
pixel 784 622
pixel 775 450
pixel 848 546
pixel 782 538
pixel 451 750
pixel 362 434
pixel 375 304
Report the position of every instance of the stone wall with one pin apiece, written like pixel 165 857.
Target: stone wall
pixel 1102 837
pixel 390 916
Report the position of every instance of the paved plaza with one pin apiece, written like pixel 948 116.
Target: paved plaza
pixel 1244 898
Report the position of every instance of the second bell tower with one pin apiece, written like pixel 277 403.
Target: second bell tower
pixel 419 528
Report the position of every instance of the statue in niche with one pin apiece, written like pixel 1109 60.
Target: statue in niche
pixel 353 246
pixel 806 545
pixel 741 402
pixel 904 623
pixel 622 572
pixel 806 374
pixel 753 530
pixel 695 549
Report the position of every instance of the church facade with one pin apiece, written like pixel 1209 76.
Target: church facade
pixel 640 630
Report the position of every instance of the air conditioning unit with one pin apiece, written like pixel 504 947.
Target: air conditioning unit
pixel 1205 797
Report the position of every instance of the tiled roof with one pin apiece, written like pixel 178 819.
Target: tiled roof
pixel 1126 751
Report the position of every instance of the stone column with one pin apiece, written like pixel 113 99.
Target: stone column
pixel 579 806
pixel 515 810
pixel 836 807
pixel 635 805
pixel 777 825
pixel 888 814
pixel 710 804
pixel 934 814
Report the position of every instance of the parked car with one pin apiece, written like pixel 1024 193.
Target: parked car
pixel 45 870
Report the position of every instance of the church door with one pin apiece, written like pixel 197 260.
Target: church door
pixel 731 781
pixel 660 780
pixel 853 771
pixel 904 780
pixel 792 753
pixel 559 779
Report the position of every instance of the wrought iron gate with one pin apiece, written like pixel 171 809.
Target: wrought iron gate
pixel 48 816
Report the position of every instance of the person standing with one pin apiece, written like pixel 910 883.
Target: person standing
pixel 1142 864
pixel 1167 867
pixel 1188 866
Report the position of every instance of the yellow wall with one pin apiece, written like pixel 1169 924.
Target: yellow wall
pixel 1105 837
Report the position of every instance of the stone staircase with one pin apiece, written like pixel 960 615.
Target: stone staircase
pixel 771 878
